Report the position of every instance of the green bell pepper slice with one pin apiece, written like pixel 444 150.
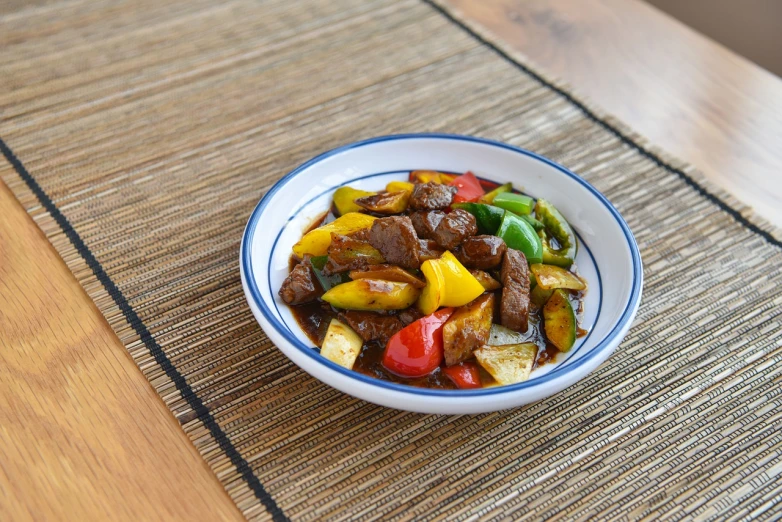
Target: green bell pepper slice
pixel 520 235
pixel 516 203
pixel 560 229
pixel 487 217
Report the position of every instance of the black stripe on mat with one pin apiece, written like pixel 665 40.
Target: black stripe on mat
pixel 613 130
pixel 154 348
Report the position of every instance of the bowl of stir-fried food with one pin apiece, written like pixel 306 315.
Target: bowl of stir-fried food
pixel 440 273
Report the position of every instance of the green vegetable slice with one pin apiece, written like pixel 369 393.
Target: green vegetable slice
pixel 520 235
pixel 560 229
pixel 560 321
pixel 516 203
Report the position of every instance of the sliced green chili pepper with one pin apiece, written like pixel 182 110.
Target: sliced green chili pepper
pixel 520 235
pixel 487 217
pixel 537 225
pixel 516 203
pixel 560 229
pixel 552 256
pixel 327 282
pixel 489 196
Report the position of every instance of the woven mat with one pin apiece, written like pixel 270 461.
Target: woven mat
pixel 139 136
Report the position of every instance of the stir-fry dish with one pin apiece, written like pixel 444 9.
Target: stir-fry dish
pixel 442 281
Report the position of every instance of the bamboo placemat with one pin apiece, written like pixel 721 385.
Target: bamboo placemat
pixel 140 135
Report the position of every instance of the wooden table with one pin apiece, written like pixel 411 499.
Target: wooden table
pixel 83 433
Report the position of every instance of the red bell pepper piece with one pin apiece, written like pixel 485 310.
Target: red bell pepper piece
pixel 417 349
pixel 464 375
pixel 469 188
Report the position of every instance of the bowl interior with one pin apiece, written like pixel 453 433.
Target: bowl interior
pixel 607 255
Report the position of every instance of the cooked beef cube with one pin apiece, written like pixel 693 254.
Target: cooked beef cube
pixel 301 286
pixel 431 196
pixel 425 222
pixel 481 252
pixel 514 306
pixel 371 326
pixel 360 235
pixel 454 228
pixel 346 253
pixel 429 250
pixel 395 238
pixel 409 315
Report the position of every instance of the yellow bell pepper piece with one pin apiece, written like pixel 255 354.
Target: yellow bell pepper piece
pixel 372 294
pixel 316 242
pixel 344 198
pixel 425 176
pixel 448 283
pixel 399 186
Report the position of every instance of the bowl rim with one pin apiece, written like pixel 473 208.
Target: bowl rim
pixel 606 344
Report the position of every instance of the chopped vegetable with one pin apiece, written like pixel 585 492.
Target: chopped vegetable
pixel 316 242
pixel 549 276
pixel 397 186
pixel 341 344
pixel 499 335
pixel 539 297
pixel 560 321
pixel 425 176
pixel 386 202
pixel 465 375
pixel 326 281
pixel 387 273
pixel 467 329
pixel 560 230
pixel 417 349
pixel 516 203
pixel 469 188
pixel 508 364
pixel 448 283
pixel 537 225
pixel 486 280
pixel 519 235
pixel 487 217
pixel 344 199
pixel 488 198
pixel 372 294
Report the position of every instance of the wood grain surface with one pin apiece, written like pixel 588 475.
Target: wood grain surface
pixel 686 93
pixel 83 435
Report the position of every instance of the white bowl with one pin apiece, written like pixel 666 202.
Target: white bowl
pixel 607 257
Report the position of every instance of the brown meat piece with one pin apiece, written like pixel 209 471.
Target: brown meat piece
pixel 454 228
pixel 371 326
pixel 428 249
pixel 514 307
pixel 346 253
pixel 482 252
pixel 301 286
pixel 425 222
pixel 395 238
pixel 410 315
pixel 431 196
pixel 360 235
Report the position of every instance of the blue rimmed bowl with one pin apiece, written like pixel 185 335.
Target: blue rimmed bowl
pixel 608 258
